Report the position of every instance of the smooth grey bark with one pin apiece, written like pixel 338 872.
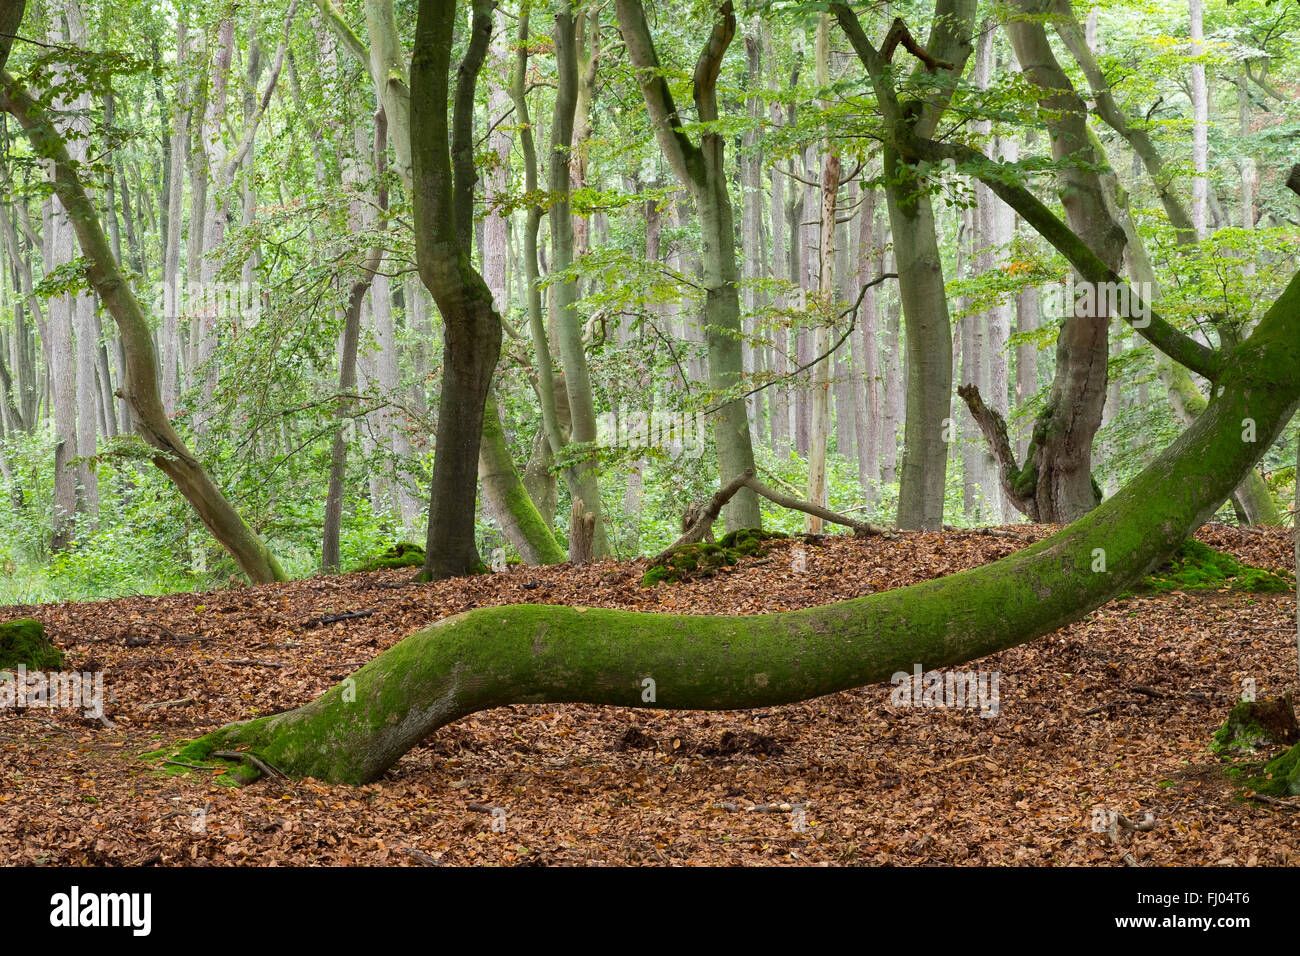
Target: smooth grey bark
pixel 918 261
pixel 701 168
pixel 564 318
pixel 819 423
pixel 172 251
pixel 864 351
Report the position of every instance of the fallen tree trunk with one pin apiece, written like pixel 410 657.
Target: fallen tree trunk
pixel 704 518
pixel 524 654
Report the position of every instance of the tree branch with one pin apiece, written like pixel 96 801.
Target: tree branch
pixel 681 153
pixel 994 427
pixel 898 33
pixel 277 65
pixel 709 64
pixel 344 32
pixel 462 126
pixel 1001 179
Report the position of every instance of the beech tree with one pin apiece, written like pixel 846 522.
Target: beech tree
pixel 140 385
pixel 700 168
pixel 520 654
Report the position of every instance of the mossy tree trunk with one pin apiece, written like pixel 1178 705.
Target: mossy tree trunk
pixel 491 657
pixel 508 498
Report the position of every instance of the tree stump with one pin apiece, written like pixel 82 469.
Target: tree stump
pixel 582 533
pixel 1257 724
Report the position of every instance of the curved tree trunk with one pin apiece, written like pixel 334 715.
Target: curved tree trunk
pixel 508 498
pixel 491 657
pixel 140 381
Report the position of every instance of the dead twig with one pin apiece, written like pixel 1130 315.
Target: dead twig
pixel 264 768
pixel 179 702
pixel 421 857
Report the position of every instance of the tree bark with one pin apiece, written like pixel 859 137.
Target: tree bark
pixel 140 383
pixel 821 379
pixel 443 201
pixel 701 168
pixel 491 657
pixel 918 261
pixel 568 328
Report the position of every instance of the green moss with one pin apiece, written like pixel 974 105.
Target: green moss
pixel 195 756
pixel 703 560
pixel 748 541
pixel 1281 776
pixel 1198 567
pixel 1252 725
pixel 1024 481
pixel 1278 777
pixel 24 642
pixel 401 555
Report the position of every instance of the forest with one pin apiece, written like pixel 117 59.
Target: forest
pixel 649 432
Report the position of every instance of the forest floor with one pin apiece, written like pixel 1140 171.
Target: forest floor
pixel 1113 713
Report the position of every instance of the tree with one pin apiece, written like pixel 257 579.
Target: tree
pixel 565 319
pixel 916 248
pixel 700 168
pixel 1054 483
pixel 1252 497
pixel 537 654
pixel 503 488
pixel 140 384
pixel 442 162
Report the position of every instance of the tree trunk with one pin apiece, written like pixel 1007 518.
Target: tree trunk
pixel 1252 499
pixel 568 328
pixel 928 347
pixel 864 350
pixel 821 379
pixel 918 262
pixel 1200 120
pixel 140 383
pixel 751 228
pixel 518 654
pixel 508 499
pixel 443 191
pixel 701 168
pixel 1054 484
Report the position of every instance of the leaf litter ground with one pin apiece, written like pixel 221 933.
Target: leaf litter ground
pixel 1113 713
